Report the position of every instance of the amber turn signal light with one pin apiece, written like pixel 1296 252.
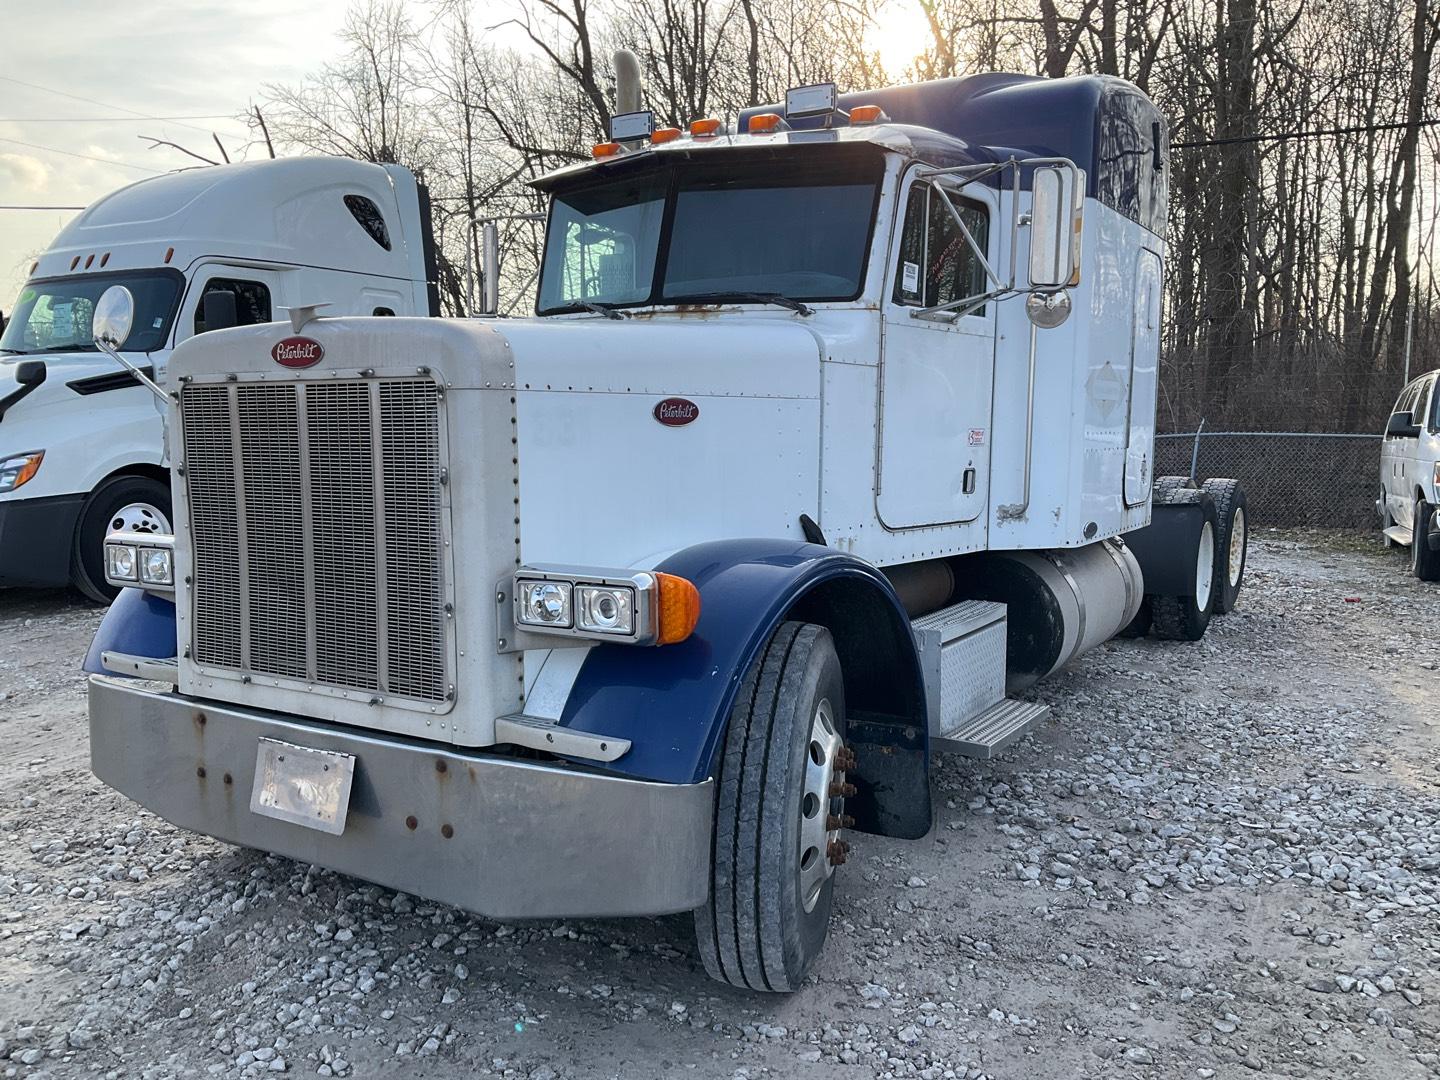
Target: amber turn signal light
pixel 678 609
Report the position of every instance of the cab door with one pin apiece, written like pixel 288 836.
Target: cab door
pixel 937 368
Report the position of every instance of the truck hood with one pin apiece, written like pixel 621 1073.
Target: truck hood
pixel 638 438
pixel 61 370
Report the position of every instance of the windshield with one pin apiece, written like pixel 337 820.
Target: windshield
pixel 53 315
pixel 797 227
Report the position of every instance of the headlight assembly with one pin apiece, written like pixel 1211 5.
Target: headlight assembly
pixel 146 560
pixel 18 470
pixel 619 606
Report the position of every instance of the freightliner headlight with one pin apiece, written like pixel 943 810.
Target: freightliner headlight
pixel 143 559
pixel 16 471
pixel 605 605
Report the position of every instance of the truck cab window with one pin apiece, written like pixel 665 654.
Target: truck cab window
pixel 365 211
pixel 252 302
pixel 937 266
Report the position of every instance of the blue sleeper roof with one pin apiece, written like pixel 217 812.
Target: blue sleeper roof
pixel 1105 125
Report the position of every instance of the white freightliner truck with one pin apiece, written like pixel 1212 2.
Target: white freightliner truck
pixel 81 442
pixel 638 605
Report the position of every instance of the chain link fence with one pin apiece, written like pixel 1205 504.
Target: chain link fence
pixel 1291 478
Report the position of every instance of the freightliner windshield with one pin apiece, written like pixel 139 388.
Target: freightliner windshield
pixel 677 230
pixel 53 314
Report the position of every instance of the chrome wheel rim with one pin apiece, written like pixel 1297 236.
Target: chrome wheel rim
pixel 1237 548
pixel 140 517
pixel 816 805
pixel 1205 566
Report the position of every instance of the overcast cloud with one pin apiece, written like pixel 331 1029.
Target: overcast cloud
pixel 180 59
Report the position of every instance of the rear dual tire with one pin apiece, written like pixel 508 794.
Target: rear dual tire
pixel 1232 540
pixel 772 878
pixel 1186 617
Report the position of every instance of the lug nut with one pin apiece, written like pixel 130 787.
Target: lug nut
pixel 836 851
pixel 845 759
pixel 841 791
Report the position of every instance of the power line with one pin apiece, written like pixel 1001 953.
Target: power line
pixel 20 207
pixel 107 119
pixel 72 153
pixel 90 101
pixel 1284 136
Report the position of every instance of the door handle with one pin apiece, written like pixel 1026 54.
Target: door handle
pixel 967 483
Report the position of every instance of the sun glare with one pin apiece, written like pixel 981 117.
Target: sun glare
pixel 899 34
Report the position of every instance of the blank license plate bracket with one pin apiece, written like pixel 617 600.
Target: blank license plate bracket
pixel 302 786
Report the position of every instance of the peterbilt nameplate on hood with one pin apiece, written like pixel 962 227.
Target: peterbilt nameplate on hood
pixel 677 412
pixel 298 352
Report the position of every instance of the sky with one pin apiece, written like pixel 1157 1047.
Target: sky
pixel 186 58
pixel 189 58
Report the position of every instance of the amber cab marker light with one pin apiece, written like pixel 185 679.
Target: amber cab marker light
pixel 764 123
pixel 679 609
pixel 604 150
pixel 104 259
pixel 664 135
pixel 867 114
pixel 74 262
pixel 169 254
pixel 89 259
pixel 704 129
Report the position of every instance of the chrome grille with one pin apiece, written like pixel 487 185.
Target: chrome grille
pixel 315 518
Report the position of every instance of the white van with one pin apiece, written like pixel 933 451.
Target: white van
pixel 81 441
pixel 1410 475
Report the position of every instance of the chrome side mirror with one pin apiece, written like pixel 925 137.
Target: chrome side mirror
pixel 114 316
pixel 110 326
pixel 1055 227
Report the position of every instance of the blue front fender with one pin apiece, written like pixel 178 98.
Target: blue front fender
pixel 673 702
pixel 138 624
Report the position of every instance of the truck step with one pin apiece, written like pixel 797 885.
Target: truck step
pixel 1399 534
pixel 986 734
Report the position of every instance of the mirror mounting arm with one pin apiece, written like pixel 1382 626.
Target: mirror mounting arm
pixel 114 354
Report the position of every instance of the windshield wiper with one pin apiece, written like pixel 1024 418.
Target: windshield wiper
pixel 779 299
pixel 599 309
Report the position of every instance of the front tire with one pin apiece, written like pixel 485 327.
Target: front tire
pixel 1424 563
pixel 780 787
pixel 134 503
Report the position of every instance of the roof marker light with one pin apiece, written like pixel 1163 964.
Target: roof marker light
pixel 664 135
pixel 104 259
pixel 89 259
pixel 868 114
pixel 766 123
pixel 74 262
pixel 704 129
pixel 35 266
pixel 605 149
pixel 169 254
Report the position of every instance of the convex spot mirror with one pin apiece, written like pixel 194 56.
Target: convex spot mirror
pixel 114 315
pixel 1048 310
pixel 1054 227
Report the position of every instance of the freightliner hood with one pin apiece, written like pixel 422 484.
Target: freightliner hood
pixel 607 477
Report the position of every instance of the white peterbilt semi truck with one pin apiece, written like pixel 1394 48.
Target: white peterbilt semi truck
pixel 828 434
pixel 81 442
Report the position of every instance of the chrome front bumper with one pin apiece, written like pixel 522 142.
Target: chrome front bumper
pixel 506 838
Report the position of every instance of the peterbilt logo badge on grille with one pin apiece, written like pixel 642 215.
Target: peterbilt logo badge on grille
pixel 676 412
pixel 297 352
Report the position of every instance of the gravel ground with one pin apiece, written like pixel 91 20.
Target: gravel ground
pixel 1219 859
